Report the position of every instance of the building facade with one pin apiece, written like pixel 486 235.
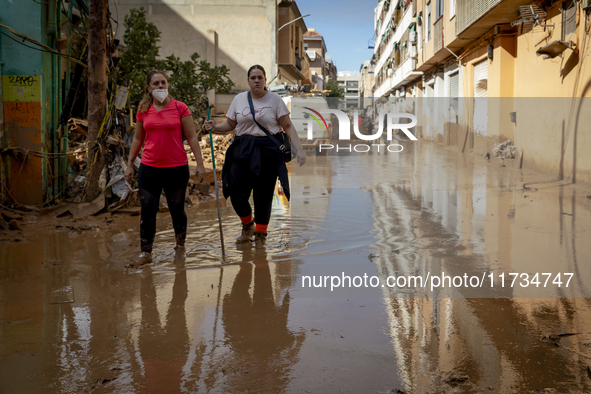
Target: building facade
pixel 31 81
pixel 210 29
pixel 350 85
pixel 331 69
pixel 316 49
pixel 292 63
pixel 474 68
pixel 366 75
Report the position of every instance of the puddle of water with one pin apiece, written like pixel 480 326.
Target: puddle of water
pixel 73 319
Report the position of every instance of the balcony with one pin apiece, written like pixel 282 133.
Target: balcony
pixel 475 18
pixel 438 34
pixel 396 37
pixel 400 76
pixel 469 11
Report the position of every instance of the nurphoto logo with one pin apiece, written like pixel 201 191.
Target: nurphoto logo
pixel 393 122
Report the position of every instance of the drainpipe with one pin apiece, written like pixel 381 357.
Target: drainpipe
pixel 54 34
pixel 50 133
pixel 59 94
pixel 64 140
pixel 2 168
pixel 68 64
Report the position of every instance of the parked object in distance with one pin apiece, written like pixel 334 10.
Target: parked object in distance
pixel 302 111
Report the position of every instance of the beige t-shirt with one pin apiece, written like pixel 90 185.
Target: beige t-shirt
pixel 268 109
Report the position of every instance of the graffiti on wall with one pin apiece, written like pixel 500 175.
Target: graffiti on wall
pixel 23 129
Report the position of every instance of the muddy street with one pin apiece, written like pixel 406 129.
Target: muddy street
pixel 73 319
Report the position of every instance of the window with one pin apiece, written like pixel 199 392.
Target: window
pixel 420 33
pixel 452 8
pixel 428 23
pixel 439 8
pixel 569 18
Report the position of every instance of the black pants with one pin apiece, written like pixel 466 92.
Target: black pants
pixel 174 181
pixel 262 187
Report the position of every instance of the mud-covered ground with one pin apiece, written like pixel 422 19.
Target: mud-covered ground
pixel 73 319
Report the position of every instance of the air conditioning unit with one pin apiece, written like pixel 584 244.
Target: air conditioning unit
pixel 412 36
pixel 412 52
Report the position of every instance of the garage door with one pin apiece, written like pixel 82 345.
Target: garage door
pixel 480 118
pixel 454 88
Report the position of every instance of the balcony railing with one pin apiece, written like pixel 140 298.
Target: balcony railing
pixel 469 11
pixel 438 34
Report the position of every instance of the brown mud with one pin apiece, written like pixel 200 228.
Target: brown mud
pixel 73 319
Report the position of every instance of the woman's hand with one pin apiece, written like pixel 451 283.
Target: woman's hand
pixel 129 174
pixel 200 172
pixel 209 125
pixel 301 157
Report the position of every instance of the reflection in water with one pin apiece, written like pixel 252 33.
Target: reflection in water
pixel 262 347
pixel 470 219
pixel 164 347
pixel 71 319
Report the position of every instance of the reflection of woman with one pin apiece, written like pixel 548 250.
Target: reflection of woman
pixel 162 122
pixel 164 350
pixel 257 331
pixel 253 161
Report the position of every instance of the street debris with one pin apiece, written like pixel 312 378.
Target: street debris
pixel 555 339
pixel 78 126
pixel 9 221
pixel 454 378
pixel 505 150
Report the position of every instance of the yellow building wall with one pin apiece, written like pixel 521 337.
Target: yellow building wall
pixel 551 120
pixel 553 127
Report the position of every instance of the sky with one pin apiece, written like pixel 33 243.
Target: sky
pixel 346 25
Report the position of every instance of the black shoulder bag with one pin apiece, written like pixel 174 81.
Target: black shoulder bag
pixel 284 146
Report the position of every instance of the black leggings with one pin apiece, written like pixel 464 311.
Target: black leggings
pixel 174 181
pixel 262 187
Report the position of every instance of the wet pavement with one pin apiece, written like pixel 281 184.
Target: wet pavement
pixel 73 319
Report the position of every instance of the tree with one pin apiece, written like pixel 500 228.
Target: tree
pixel 188 81
pixel 141 38
pixel 97 90
pixel 335 89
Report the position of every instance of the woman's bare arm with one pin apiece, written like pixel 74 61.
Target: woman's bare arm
pixel 139 136
pixel 191 136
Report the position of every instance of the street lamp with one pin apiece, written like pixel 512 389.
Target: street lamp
pixel 303 16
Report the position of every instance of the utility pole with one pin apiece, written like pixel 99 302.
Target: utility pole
pixel 97 90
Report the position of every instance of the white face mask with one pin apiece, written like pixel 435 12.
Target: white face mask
pixel 160 94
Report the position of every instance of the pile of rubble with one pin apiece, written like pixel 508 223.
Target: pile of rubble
pixel 506 150
pixel 221 142
pixel 118 195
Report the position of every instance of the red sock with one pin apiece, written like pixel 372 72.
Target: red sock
pixel 246 219
pixel 261 227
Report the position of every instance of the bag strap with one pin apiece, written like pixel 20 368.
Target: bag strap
pixel 279 144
